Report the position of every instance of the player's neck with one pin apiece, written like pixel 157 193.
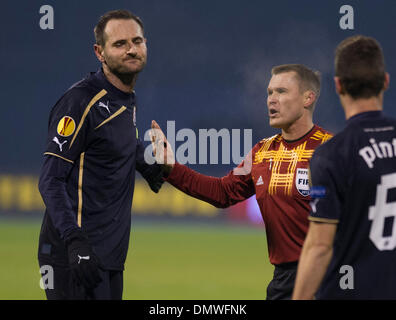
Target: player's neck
pixel 297 130
pixel 353 107
pixel 125 85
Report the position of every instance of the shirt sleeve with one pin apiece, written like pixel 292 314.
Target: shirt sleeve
pixel 67 139
pixel 68 126
pixel 52 186
pixel 326 190
pixel 220 192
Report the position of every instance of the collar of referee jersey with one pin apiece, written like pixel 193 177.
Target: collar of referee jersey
pixel 301 138
pixel 364 115
pixel 106 84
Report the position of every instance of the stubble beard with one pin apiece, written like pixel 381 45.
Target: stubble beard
pixel 127 77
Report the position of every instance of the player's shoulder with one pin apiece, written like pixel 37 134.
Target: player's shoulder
pixel 337 146
pixel 79 95
pixel 361 128
pixel 86 88
pixel 378 122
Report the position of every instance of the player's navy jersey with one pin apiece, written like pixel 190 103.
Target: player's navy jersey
pixel 92 152
pixel 354 185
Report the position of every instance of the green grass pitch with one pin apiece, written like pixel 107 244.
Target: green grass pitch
pixel 165 262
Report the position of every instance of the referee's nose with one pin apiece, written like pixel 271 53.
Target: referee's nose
pixel 272 100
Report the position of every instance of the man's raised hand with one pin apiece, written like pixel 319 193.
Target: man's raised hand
pixel 162 149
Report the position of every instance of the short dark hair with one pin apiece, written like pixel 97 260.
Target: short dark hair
pixel 308 79
pixel 115 14
pixel 360 66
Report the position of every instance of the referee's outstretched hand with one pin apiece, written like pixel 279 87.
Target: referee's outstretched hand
pixel 84 264
pixel 162 149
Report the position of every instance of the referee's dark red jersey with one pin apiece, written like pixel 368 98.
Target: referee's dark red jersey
pixel 278 175
pixel 88 176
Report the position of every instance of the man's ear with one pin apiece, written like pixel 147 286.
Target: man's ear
pixel 387 81
pixel 99 52
pixel 309 98
pixel 338 86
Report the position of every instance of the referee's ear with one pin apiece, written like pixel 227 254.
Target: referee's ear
pixel 98 52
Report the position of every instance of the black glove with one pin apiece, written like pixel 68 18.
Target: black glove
pixel 84 264
pixel 155 177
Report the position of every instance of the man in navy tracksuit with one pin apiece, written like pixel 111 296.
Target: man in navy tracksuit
pixel 87 179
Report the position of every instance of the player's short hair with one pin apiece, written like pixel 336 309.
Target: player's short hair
pixel 360 66
pixel 308 79
pixel 116 15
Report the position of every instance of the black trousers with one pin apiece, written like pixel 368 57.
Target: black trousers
pixel 282 284
pixel 65 288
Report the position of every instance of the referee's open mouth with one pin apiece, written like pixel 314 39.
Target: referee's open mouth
pixel 272 113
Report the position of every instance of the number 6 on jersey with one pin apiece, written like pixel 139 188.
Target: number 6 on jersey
pixel 382 210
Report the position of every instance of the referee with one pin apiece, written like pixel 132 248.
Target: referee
pixel 88 175
pixel 275 170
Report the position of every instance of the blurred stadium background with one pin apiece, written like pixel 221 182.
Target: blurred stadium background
pixel 209 65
